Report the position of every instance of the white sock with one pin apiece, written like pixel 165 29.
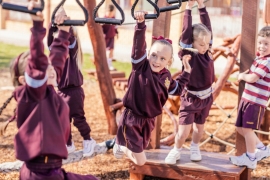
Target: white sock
pixel 193 144
pixel 177 149
pixel 109 60
pixel 260 146
pixel 251 156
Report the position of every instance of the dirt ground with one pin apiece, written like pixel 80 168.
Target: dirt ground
pixel 105 166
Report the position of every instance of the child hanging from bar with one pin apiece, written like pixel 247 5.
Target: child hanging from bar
pixel 110 31
pixel 196 99
pixel 70 87
pixel 42 115
pixel 149 85
pixel 253 103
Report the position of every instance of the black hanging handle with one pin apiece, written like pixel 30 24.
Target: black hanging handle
pixel 109 20
pixel 19 8
pixel 71 22
pixel 177 5
pixel 147 16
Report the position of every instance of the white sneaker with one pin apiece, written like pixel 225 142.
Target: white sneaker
pixel 117 151
pixel 173 156
pixel 243 161
pixel 195 153
pixel 261 154
pixel 111 68
pixel 88 147
pixel 71 148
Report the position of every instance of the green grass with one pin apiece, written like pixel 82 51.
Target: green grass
pixel 8 52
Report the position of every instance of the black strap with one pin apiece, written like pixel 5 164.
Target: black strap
pixel 147 16
pixel 71 22
pixel 19 8
pixel 109 20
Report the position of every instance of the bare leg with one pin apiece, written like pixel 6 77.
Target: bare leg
pixel 137 158
pixel 182 134
pixel 198 130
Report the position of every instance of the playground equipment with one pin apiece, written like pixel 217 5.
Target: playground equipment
pixel 109 20
pixel 71 22
pixel 19 8
pixel 147 16
pixel 176 5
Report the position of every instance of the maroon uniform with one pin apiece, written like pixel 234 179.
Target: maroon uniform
pixel 109 31
pixel 42 116
pixel 70 86
pixel 193 107
pixel 147 93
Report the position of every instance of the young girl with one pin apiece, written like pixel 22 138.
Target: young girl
pixel 197 98
pixel 42 115
pixel 70 88
pixel 109 32
pixel 148 88
pixel 253 103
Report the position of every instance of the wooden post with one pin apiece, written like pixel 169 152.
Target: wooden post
pixel 265 123
pixel 3 16
pixel 102 69
pixel 248 47
pixel 47 19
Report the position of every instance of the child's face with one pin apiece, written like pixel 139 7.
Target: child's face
pixel 52 77
pixel 263 45
pixel 201 43
pixel 159 56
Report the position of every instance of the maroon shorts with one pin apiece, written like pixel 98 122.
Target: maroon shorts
pixel 134 132
pixel 109 43
pixel 249 115
pixel 194 109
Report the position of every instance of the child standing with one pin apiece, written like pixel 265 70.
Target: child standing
pixel 42 116
pixel 148 87
pixel 109 32
pixel 253 103
pixel 70 88
pixel 197 98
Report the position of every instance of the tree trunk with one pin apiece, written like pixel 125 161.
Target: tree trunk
pixel 102 70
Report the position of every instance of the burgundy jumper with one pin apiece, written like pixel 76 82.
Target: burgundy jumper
pixel 146 95
pixel 42 115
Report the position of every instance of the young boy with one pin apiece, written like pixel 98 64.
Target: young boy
pixel 253 103
pixel 109 33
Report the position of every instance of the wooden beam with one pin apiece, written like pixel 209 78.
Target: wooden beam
pixel 248 49
pixel 102 69
pixel 266 13
pixel 3 15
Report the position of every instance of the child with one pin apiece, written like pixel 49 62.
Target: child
pixel 70 88
pixel 148 88
pixel 253 103
pixel 197 98
pixel 109 32
pixel 42 115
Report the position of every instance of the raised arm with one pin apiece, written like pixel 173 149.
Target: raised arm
pixel 52 29
pixel 139 54
pixel 178 85
pixel 73 44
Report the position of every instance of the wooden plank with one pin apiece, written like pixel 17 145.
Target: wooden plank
pixel 266 14
pixel 213 166
pixel 248 47
pixel 155 135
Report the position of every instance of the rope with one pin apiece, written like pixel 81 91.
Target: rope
pixel 72 157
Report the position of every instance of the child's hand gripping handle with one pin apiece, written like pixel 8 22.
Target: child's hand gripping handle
pixel 177 5
pixel 24 9
pixel 147 16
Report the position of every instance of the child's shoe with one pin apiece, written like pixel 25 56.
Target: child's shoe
pixel 195 153
pixel 173 156
pixel 88 147
pixel 117 151
pixel 244 161
pixel 110 143
pixel 261 154
pixel 71 148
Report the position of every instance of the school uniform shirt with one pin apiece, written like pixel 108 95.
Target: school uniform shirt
pixel 148 91
pixel 259 91
pixel 42 115
pixel 109 30
pixel 72 76
pixel 202 74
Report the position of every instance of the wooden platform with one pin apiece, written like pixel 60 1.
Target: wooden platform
pixel 213 166
pixel 114 74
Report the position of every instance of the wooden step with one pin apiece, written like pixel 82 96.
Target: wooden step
pixel 214 166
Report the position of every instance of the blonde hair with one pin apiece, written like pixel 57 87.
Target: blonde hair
pixel 200 29
pixel 17 67
pixel 264 32
pixel 166 43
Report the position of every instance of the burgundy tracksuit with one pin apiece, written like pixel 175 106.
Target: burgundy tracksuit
pixel 42 115
pixel 70 87
pixel 109 31
pixel 202 76
pixel 146 95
